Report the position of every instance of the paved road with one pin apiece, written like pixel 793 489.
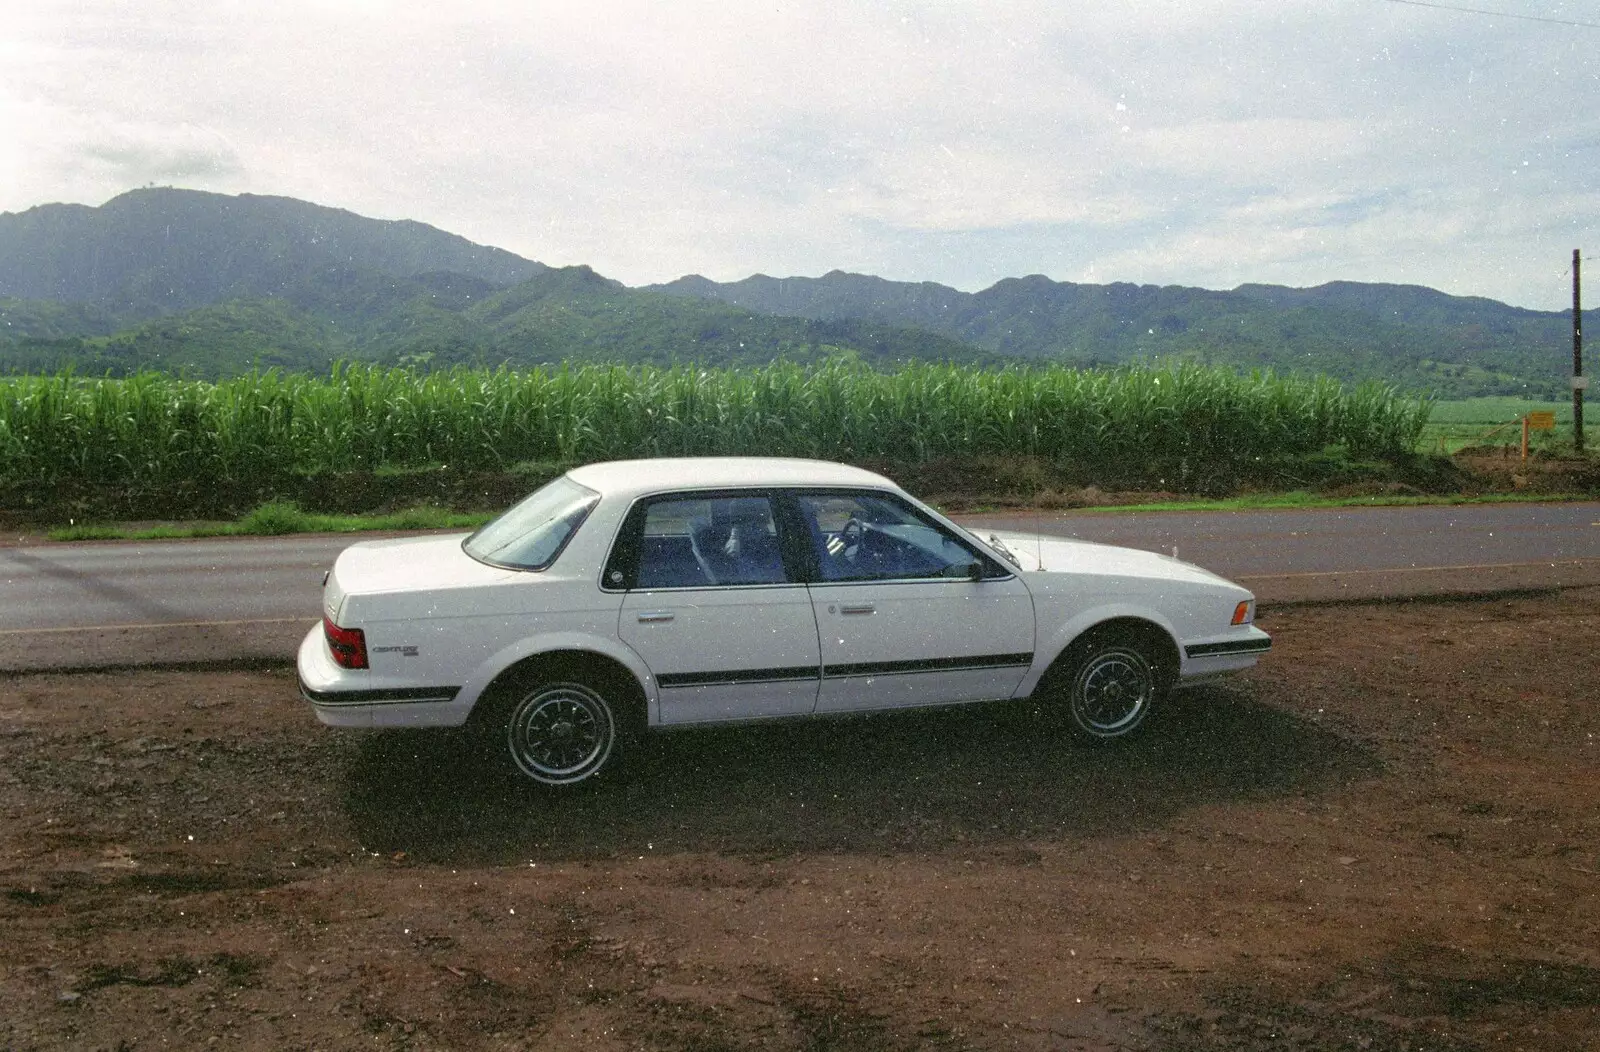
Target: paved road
pixel 163 582
pixel 117 602
pixel 1256 543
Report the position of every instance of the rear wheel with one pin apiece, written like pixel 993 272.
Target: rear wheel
pixel 560 733
pixel 559 721
pixel 1112 688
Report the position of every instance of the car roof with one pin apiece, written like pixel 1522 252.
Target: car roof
pixel 630 478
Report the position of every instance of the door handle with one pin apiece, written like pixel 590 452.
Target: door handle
pixel 650 617
pixel 857 608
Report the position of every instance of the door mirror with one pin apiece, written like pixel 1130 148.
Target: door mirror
pixel 971 571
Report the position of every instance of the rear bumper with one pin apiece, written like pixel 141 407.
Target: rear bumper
pixel 342 698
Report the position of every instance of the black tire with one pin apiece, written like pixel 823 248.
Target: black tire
pixel 554 732
pixel 1112 684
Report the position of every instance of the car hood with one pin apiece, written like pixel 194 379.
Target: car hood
pixel 1061 555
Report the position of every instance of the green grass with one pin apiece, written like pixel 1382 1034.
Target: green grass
pixel 1300 499
pixel 1498 409
pixel 278 518
pixel 275 519
pixel 1184 423
pixel 1497 421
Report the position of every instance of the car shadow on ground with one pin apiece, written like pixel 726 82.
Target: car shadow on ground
pixel 902 782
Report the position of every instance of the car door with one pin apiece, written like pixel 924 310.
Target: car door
pixel 716 609
pixel 907 612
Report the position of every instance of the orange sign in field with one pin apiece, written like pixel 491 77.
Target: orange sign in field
pixel 1542 421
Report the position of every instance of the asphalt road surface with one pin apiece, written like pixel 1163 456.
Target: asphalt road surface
pixel 89 603
pixel 1257 543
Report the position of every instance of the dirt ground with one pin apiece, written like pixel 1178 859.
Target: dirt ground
pixel 1386 837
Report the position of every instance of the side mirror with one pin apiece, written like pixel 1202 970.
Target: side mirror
pixel 972 571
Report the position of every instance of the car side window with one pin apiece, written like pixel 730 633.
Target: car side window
pixel 868 537
pixel 699 542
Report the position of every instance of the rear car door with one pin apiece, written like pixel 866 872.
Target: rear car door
pixel 716 608
pixel 908 613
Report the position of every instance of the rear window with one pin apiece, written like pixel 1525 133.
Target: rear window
pixel 530 535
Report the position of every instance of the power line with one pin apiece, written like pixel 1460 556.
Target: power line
pixel 1495 14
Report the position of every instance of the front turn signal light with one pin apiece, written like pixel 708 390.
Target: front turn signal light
pixel 1244 613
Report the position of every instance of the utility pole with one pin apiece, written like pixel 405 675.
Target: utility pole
pixel 1578 381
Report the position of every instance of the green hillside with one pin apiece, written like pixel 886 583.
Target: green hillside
pixel 212 285
pixel 567 315
pixel 160 250
pixel 1415 337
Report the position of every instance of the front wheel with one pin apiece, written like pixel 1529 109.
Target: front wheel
pixel 1113 688
pixel 560 733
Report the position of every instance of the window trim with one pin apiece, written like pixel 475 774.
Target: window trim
pixel 627 543
pixel 994 569
pixel 794 539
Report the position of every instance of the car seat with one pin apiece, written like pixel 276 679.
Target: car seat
pixel 708 539
pixel 751 547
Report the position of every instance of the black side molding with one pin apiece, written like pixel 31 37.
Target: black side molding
pixel 870 668
pixel 747 675
pixel 954 664
pixel 1237 646
pixel 391 696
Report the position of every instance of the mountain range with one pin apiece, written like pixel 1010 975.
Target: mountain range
pixel 211 285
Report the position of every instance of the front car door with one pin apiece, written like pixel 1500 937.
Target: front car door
pixel 909 613
pixel 716 607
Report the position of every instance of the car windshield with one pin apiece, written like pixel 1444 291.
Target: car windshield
pixel 530 535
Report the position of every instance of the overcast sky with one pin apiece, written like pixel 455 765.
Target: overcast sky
pixel 1201 142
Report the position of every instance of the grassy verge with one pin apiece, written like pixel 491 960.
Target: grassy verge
pixel 276 519
pixel 1300 499
pixel 280 518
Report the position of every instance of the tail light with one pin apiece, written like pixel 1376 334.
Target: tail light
pixel 348 645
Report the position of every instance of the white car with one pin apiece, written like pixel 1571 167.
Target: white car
pixel 664 593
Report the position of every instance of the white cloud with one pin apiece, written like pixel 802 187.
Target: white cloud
pixel 1203 143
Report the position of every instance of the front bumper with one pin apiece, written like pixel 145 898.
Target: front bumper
pixel 1234 652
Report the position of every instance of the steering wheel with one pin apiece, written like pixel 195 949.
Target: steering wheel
pixel 851 534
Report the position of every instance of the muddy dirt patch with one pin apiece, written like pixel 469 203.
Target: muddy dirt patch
pixel 1384 838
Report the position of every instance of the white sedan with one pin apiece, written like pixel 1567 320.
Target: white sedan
pixel 663 593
